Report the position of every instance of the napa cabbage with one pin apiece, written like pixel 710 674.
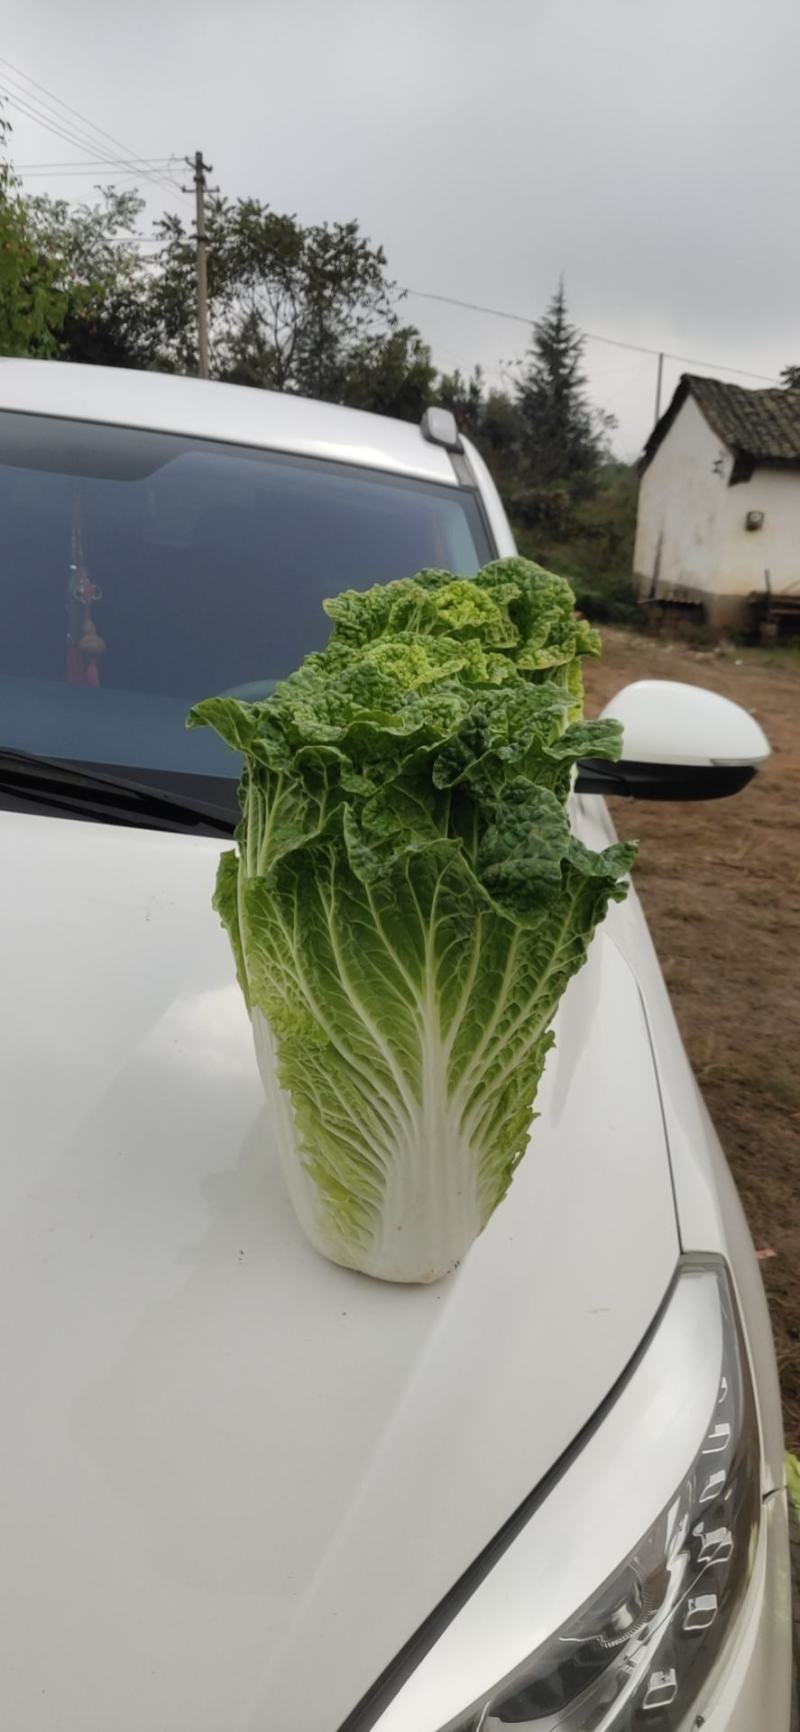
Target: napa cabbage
pixel 407 902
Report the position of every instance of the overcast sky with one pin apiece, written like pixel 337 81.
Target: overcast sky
pixel 649 149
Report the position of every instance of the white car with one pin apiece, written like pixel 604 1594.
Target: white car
pixel 244 1490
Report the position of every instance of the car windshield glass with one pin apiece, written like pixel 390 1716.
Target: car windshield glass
pixel 141 571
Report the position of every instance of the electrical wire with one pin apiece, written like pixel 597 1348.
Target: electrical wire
pixel 17 101
pixel 55 110
pixel 32 112
pixel 592 336
pixel 53 120
pixel 37 167
pixel 632 381
pixel 62 187
pixel 119 171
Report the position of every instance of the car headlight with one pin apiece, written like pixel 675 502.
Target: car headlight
pixel 637 1651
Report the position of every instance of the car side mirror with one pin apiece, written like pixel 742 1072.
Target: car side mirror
pixel 680 742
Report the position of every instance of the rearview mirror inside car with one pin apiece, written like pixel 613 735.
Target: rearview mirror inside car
pixel 680 742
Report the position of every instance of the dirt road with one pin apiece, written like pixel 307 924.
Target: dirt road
pixel 729 943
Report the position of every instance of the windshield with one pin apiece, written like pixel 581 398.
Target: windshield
pixel 141 571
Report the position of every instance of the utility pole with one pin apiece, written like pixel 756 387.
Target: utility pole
pixel 201 169
pixel 659 377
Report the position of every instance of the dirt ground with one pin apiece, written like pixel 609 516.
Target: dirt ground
pixel 729 944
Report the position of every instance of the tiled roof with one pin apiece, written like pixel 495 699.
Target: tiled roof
pixel 763 426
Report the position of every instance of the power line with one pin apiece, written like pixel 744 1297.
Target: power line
pixel 17 100
pixel 100 177
pixel 90 144
pixel 636 377
pixel 61 108
pixel 29 167
pixel 120 170
pixel 591 336
pixel 33 112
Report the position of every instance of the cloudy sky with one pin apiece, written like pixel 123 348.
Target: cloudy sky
pixel 647 149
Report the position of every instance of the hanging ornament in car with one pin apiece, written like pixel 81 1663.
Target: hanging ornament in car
pixel 84 644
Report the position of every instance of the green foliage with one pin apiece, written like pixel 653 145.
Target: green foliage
pixel 793 1480
pixel 408 902
pixel 102 280
pixel 291 308
pixel 31 301
pixel 577 520
pixel 562 435
pixel 465 397
pixel 572 507
pixel 790 378
pixel 593 543
pixel 390 373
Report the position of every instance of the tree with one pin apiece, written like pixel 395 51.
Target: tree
pixel 390 373
pixel 31 302
pixel 790 378
pixel 563 437
pixel 465 397
pixel 291 308
pixel 590 540
pixel 501 431
pixel 102 279
pixel 489 418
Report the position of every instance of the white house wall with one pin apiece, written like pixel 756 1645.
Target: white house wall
pixel 745 553
pixel 682 504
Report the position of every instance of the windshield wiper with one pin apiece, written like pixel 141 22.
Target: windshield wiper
pixel 118 799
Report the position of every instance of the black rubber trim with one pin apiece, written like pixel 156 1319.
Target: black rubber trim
pixel 377 1699
pixel 114 794
pixel 638 781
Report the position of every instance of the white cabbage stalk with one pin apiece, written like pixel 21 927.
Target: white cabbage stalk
pixel 429 1213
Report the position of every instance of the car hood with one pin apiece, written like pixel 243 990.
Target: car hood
pixel 235 1478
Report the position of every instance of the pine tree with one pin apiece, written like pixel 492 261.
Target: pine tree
pixel 564 438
